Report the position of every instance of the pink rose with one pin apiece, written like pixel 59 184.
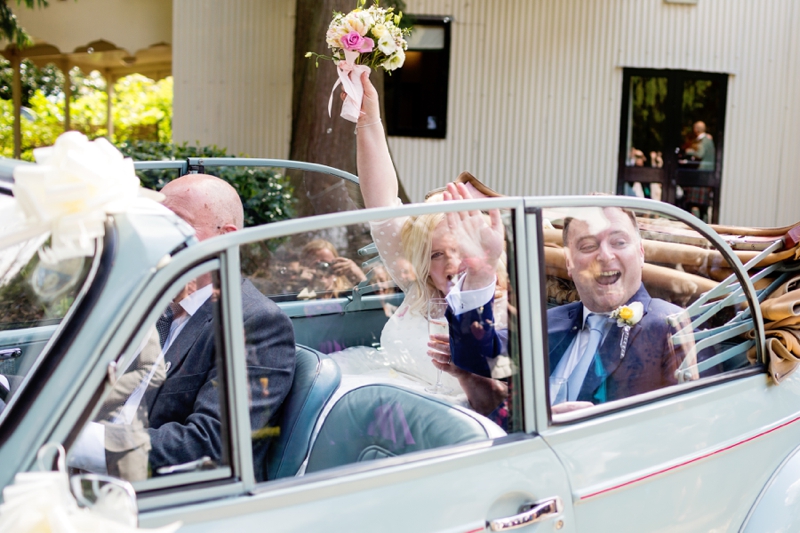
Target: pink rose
pixel 355 42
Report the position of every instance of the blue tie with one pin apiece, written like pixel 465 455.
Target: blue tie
pixel 595 324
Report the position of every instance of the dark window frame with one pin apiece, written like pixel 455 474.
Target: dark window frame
pixel 397 105
pixel 673 176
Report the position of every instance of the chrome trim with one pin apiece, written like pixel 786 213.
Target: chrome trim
pixel 528 514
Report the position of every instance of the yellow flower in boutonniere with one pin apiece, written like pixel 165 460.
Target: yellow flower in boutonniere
pixel 627 316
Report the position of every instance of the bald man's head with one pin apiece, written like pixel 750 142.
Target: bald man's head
pixel 699 127
pixel 208 204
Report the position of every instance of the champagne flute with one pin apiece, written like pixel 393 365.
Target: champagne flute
pixel 559 391
pixel 437 325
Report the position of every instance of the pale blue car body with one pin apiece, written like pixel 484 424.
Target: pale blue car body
pixel 720 457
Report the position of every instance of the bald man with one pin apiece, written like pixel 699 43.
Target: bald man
pixel 184 424
pixel 178 402
pixel 703 147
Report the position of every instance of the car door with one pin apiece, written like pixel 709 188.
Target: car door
pixel 454 487
pixel 433 464
pixel 692 454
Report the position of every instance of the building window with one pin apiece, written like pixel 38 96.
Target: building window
pixel 416 94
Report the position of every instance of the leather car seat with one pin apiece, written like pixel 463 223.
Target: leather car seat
pixel 316 378
pixel 380 420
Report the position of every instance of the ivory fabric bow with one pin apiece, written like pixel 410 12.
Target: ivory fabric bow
pixel 350 80
pixel 41 502
pixel 75 184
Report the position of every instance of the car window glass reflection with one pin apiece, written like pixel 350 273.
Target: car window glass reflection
pixel 360 297
pixel 624 309
pixel 36 292
pixel 162 415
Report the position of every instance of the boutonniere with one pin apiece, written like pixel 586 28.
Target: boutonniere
pixel 627 316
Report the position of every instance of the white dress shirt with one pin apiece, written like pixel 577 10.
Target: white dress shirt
pixel 573 354
pixel 89 452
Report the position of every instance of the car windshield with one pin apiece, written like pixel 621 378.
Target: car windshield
pixel 35 295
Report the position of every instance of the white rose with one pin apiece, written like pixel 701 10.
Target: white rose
pixel 352 22
pixel 379 30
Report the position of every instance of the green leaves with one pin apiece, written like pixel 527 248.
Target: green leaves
pixel 9 26
pixel 267 194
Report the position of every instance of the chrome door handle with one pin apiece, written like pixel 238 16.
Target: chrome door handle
pixel 528 514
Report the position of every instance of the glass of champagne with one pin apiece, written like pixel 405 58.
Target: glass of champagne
pixel 437 325
pixel 558 390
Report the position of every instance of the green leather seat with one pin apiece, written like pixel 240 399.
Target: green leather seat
pixel 380 420
pixel 316 377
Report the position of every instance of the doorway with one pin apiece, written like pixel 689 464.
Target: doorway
pixel 672 137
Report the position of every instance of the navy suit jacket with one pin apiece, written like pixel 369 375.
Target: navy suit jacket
pixel 650 358
pixel 473 339
pixel 184 413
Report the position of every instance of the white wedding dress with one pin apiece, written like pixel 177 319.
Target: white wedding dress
pixel 403 355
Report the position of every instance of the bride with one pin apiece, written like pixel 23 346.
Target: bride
pixel 444 250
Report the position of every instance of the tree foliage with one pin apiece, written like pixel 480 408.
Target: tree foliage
pixel 141 110
pixel 9 26
pixel 49 79
pixel 266 194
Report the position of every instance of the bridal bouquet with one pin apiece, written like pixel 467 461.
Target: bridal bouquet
pixel 361 40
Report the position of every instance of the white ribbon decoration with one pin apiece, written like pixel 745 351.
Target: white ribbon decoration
pixel 75 184
pixel 350 80
pixel 42 502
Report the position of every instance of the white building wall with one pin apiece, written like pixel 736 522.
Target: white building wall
pixel 535 90
pixel 232 68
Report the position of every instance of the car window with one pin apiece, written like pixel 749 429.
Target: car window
pixel 164 417
pixel 36 293
pixel 365 387
pixel 636 302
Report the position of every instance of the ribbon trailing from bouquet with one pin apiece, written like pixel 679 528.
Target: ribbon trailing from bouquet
pixel 350 80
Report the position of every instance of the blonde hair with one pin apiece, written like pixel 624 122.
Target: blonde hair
pixel 416 237
pixel 340 283
pixel 315 246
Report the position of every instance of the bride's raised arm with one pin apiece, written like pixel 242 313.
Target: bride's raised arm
pixel 376 173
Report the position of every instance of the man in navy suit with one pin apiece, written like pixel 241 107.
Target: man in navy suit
pixel 604 258
pixel 179 403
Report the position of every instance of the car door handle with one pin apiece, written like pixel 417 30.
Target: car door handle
pixel 528 514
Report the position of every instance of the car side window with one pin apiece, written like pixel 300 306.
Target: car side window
pixel 37 290
pixel 164 414
pixel 365 384
pixel 637 302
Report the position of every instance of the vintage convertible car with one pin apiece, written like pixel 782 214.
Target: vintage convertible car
pixel 362 444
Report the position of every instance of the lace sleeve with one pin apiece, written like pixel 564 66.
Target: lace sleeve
pixel 386 235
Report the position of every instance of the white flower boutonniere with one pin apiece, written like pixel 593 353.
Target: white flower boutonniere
pixel 627 316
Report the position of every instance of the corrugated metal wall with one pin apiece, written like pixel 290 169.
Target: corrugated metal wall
pixel 232 66
pixel 535 90
pixel 536 87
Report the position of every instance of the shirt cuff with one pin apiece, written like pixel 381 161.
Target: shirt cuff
pixel 89 451
pixel 461 301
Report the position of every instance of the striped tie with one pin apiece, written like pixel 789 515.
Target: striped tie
pixel 595 324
